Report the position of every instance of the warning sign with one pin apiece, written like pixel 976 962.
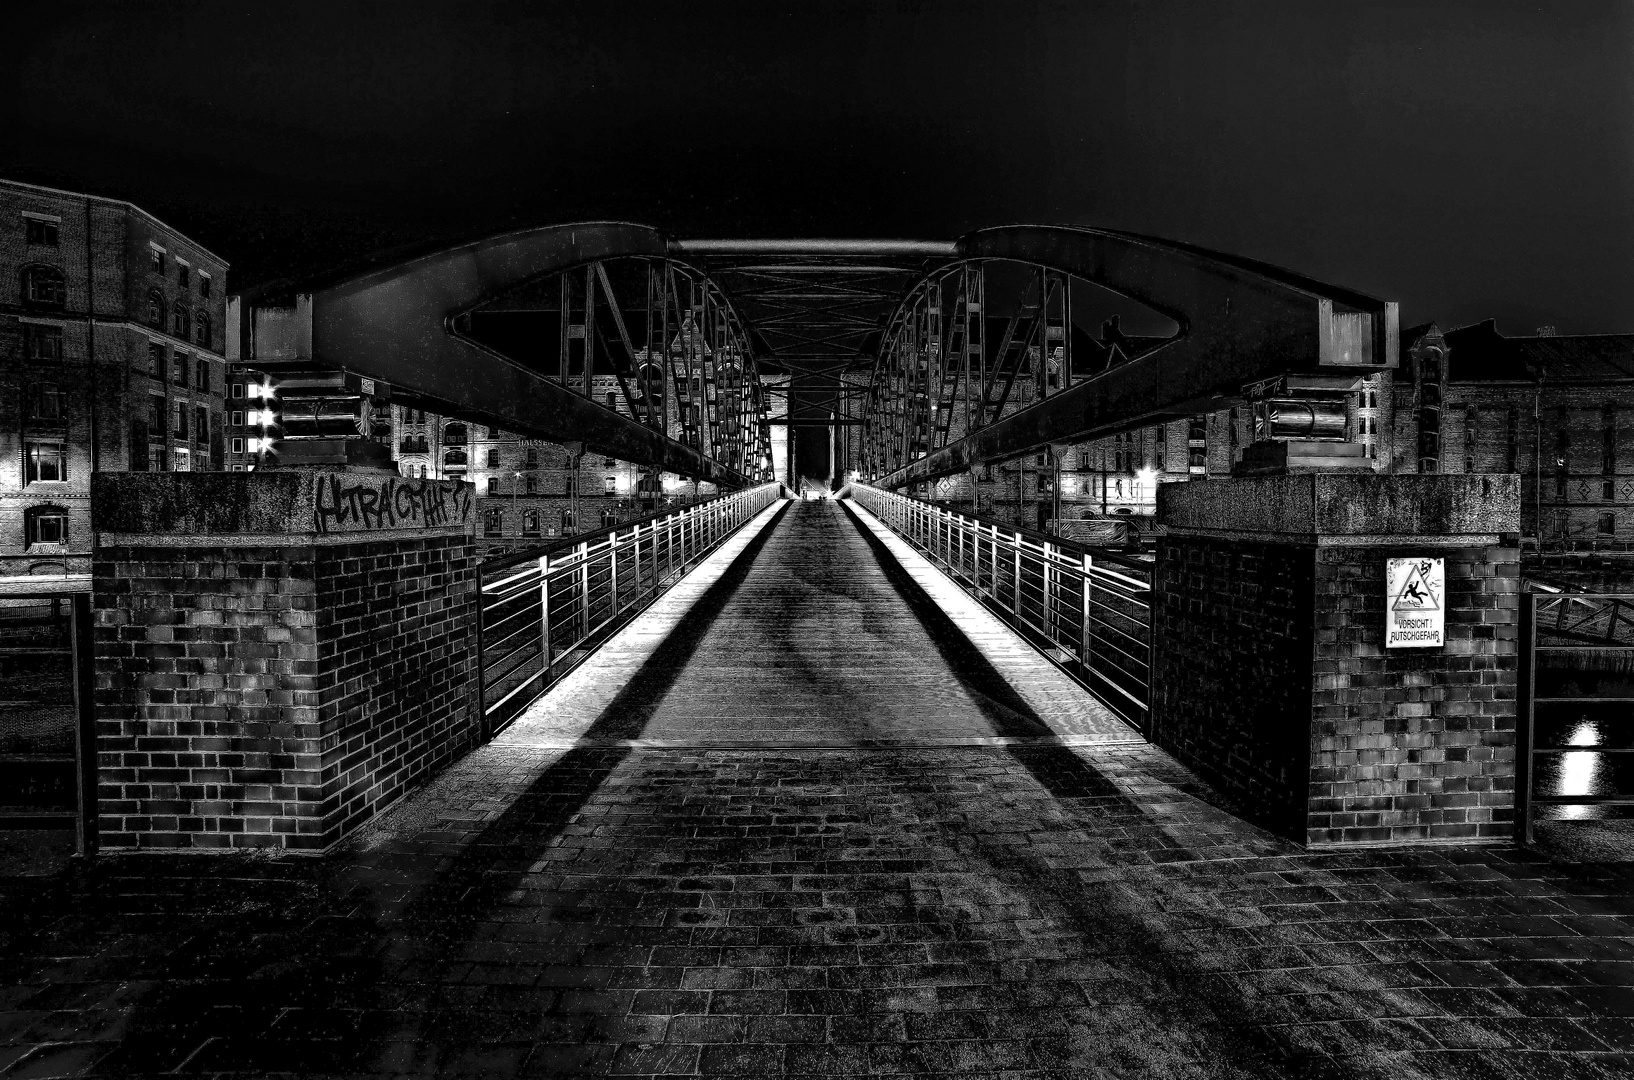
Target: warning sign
pixel 1415 615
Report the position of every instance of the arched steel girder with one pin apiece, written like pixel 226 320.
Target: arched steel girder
pixel 1241 322
pixel 400 324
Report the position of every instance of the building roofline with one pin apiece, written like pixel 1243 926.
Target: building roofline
pixel 126 203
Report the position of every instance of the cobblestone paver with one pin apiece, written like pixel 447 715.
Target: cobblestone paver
pixel 1025 909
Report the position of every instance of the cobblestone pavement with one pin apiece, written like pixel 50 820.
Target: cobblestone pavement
pixel 1022 909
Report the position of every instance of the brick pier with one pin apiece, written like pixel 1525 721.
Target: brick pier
pixel 1270 675
pixel 279 654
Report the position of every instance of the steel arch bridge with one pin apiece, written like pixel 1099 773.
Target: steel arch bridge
pixel 934 356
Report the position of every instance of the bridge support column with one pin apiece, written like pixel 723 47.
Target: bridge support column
pixel 1270 674
pixel 279 654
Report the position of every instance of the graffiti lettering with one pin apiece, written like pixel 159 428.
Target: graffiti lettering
pixel 348 504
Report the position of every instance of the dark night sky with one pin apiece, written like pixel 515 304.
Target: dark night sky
pixel 1468 159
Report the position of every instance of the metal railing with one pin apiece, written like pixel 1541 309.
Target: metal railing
pixel 542 612
pixel 1576 753
pixel 47 737
pixel 1089 611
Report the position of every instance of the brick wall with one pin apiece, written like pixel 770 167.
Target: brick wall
pixel 276 696
pixel 1270 676
pixel 1323 735
pixel 1231 676
pixel 396 667
pixel 1414 744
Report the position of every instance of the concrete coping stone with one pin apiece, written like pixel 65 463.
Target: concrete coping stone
pixel 317 505
pixel 1312 506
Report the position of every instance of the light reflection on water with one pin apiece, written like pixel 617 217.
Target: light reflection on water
pixel 1577 772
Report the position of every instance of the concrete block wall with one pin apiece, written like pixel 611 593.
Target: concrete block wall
pixel 276 671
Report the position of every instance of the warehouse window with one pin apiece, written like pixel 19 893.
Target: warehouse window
pixel 201 326
pixel 47 402
pixel 156 309
pixel 44 287
pixel 40 231
pixel 45 525
pixel 180 321
pixel 493 523
pixel 46 461
pixel 42 342
pixel 1607 525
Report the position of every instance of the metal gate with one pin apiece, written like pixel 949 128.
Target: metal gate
pixel 47 737
pixel 1575 752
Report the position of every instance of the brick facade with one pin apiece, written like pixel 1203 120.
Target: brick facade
pixel 271 687
pixel 89 370
pixel 1232 683
pixel 1270 676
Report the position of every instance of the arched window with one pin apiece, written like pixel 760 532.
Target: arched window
pixel 612 399
pixel 201 326
pixel 44 287
pixel 156 309
pixel 454 435
pixel 45 525
pixel 179 320
pixel 454 459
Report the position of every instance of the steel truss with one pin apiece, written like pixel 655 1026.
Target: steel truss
pixel 410 325
pixel 942 398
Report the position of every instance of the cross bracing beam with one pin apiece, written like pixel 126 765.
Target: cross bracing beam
pixel 1240 322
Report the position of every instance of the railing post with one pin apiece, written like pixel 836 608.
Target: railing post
pixel 1049 592
pixel 1084 653
pixel 584 588
pixel 612 569
pixel 1526 717
pixel 544 614
pixel 1015 584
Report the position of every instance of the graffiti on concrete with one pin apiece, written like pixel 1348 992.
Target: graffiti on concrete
pixel 350 503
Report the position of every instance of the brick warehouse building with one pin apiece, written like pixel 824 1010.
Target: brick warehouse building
pixel 527 490
pixel 111 360
pixel 533 490
pixel 1558 410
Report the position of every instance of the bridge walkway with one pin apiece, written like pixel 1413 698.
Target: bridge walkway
pixel 810 632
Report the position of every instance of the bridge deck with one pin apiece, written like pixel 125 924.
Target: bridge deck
pixel 612 889
pixel 827 631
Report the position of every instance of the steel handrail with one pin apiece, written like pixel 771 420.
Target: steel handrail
pixel 1091 620
pixel 549 608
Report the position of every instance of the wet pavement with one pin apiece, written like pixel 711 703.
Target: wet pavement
pixel 931 873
